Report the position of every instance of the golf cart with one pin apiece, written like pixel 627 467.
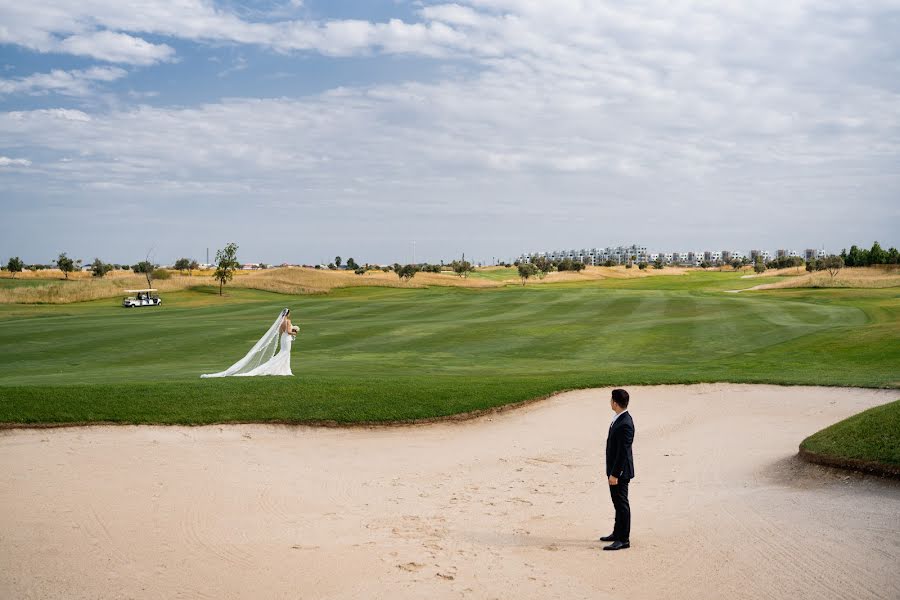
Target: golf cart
pixel 142 298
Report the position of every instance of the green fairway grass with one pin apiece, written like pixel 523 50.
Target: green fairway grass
pixel 868 441
pixel 496 273
pixel 384 354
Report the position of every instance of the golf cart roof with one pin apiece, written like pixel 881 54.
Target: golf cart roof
pixel 139 291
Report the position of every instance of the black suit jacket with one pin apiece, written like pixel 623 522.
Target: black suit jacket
pixel 619 461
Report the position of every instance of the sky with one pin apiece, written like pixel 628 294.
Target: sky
pixel 305 129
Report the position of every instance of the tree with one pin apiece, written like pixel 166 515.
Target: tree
pixel 567 264
pixel 659 263
pixel 351 264
pixel 526 271
pixel 737 263
pixel 543 265
pixel 833 264
pixel 337 262
pixel 759 266
pixel 359 271
pixel 406 272
pixel 226 264
pixel 193 267
pixel 877 255
pixel 65 264
pixel 183 264
pixel 15 265
pixel 811 265
pixel 462 268
pixel 145 268
pixel 99 268
pixel 893 256
pixel 642 266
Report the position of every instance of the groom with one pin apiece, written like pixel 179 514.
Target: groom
pixel 619 469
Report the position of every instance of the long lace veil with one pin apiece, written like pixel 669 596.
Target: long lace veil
pixel 264 350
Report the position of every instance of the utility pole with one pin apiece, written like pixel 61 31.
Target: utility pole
pixel 207 257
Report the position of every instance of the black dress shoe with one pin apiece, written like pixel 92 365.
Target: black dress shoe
pixel 608 538
pixel 617 546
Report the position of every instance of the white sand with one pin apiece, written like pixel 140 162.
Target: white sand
pixel 503 507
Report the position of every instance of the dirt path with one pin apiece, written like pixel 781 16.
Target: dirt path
pixel 504 507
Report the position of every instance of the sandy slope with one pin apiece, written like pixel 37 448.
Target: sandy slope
pixel 503 507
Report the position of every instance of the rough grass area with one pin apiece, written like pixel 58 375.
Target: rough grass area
pixel 49 287
pixel 392 354
pixel 882 276
pixel 869 441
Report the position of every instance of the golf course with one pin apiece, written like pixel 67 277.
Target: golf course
pixel 378 354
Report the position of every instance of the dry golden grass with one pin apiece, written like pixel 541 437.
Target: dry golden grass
pixel 49 274
pixel 83 289
pixel 852 277
pixel 301 280
pixel 789 272
pixel 621 272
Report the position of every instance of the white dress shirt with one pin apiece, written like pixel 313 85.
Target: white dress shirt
pixel 613 422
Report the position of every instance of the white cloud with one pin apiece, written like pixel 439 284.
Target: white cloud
pixel 115 47
pixel 103 30
pixel 239 64
pixel 70 83
pixel 5 161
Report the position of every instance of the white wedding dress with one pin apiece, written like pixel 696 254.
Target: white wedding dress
pixel 262 358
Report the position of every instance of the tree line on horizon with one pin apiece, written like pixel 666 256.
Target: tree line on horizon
pixel 227 264
pixel 461 267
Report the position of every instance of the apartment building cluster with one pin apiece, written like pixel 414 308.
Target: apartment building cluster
pixel 621 255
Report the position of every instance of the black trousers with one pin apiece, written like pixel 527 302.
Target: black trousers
pixel 619 494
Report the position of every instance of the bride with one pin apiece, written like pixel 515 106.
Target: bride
pixel 262 360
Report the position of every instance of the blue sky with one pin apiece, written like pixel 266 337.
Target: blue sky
pixel 302 129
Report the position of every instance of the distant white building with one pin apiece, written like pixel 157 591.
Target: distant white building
pixel 593 256
pixel 814 253
pixel 621 255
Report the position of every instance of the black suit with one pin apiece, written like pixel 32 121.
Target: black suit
pixel 620 464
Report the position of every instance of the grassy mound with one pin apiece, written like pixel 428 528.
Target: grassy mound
pixel 869 441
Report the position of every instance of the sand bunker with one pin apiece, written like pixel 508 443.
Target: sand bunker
pixel 503 507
